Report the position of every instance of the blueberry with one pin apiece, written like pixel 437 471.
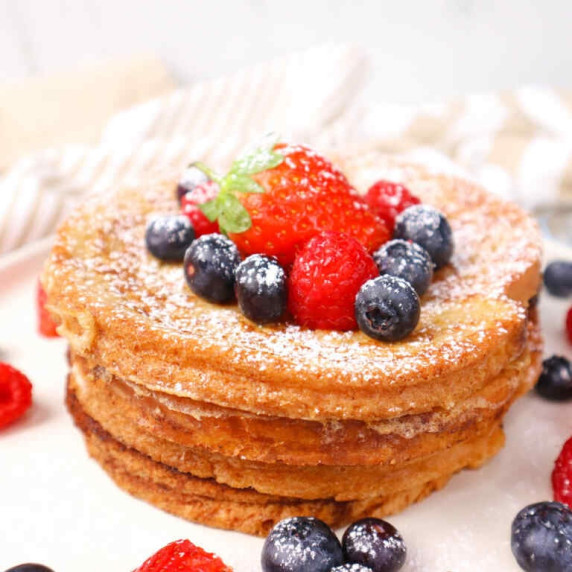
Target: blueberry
pixel 301 544
pixel 192 177
pixel 430 229
pixel 29 567
pixel 210 264
pixel 374 543
pixel 555 381
pixel 261 288
pixel 353 567
pixel 168 237
pixel 406 260
pixel 387 308
pixel 541 537
pixel 558 278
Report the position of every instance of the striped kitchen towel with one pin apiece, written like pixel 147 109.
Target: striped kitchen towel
pixel 517 144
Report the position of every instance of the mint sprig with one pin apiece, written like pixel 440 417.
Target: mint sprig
pixel 225 207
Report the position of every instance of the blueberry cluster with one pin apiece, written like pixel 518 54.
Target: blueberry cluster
pixel 388 308
pixel 306 544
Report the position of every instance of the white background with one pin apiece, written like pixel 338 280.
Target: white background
pixel 422 50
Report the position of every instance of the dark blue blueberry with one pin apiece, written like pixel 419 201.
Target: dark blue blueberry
pixel 168 237
pixel 192 177
pixel 210 264
pixel 352 567
pixel 555 381
pixel 406 260
pixel 29 567
pixel 541 537
pixel 261 288
pixel 387 308
pixel 558 278
pixel 301 544
pixel 374 543
pixel 430 229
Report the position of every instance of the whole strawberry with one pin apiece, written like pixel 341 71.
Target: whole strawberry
pixel 325 278
pixel 183 556
pixel 287 194
pixel 562 475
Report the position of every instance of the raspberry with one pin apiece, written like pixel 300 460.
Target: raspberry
pixel 304 195
pixel 198 196
pixel 15 394
pixel 326 276
pixel 46 325
pixel 183 556
pixel 569 324
pixel 562 475
pixel 387 200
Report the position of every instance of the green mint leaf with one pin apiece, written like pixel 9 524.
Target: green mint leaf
pixel 211 209
pixel 233 217
pixel 241 184
pixel 258 159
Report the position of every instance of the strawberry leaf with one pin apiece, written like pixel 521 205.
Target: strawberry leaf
pixel 242 184
pixel 211 209
pixel 261 158
pixel 233 217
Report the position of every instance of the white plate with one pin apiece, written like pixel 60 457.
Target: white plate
pixel 59 508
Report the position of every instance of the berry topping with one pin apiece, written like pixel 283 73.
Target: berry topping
pixel 327 273
pixel 562 475
pixel 374 543
pixel 353 567
pixel 168 237
pixel 183 556
pixel 192 177
pixel 387 308
pixel 555 381
pixel 301 544
pixel 558 278
pixel 541 539
pixel 29 567
pixel 15 394
pixel 568 325
pixel 190 207
pixel 406 260
pixel 387 200
pixel 430 229
pixel 279 196
pixel 261 288
pixel 46 325
pixel 210 264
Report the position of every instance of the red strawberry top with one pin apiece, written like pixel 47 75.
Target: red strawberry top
pixel 183 556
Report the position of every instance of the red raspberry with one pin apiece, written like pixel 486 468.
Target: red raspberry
pixel 326 276
pixel 562 475
pixel 199 195
pixel 569 325
pixel 15 394
pixel 387 200
pixel 304 195
pixel 46 326
pixel 183 556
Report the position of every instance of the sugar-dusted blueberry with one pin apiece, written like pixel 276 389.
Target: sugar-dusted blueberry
pixel 555 381
pixel 374 543
pixel 168 237
pixel 387 308
pixel 406 260
pixel 210 265
pixel 29 567
pixel 192 176
pixel 351 567
pixel 261 288
pixel 301 544
pixel 541 537
pixel 429 228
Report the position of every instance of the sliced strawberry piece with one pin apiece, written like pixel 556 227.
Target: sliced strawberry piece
pixel 46 325
pixel 15 394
